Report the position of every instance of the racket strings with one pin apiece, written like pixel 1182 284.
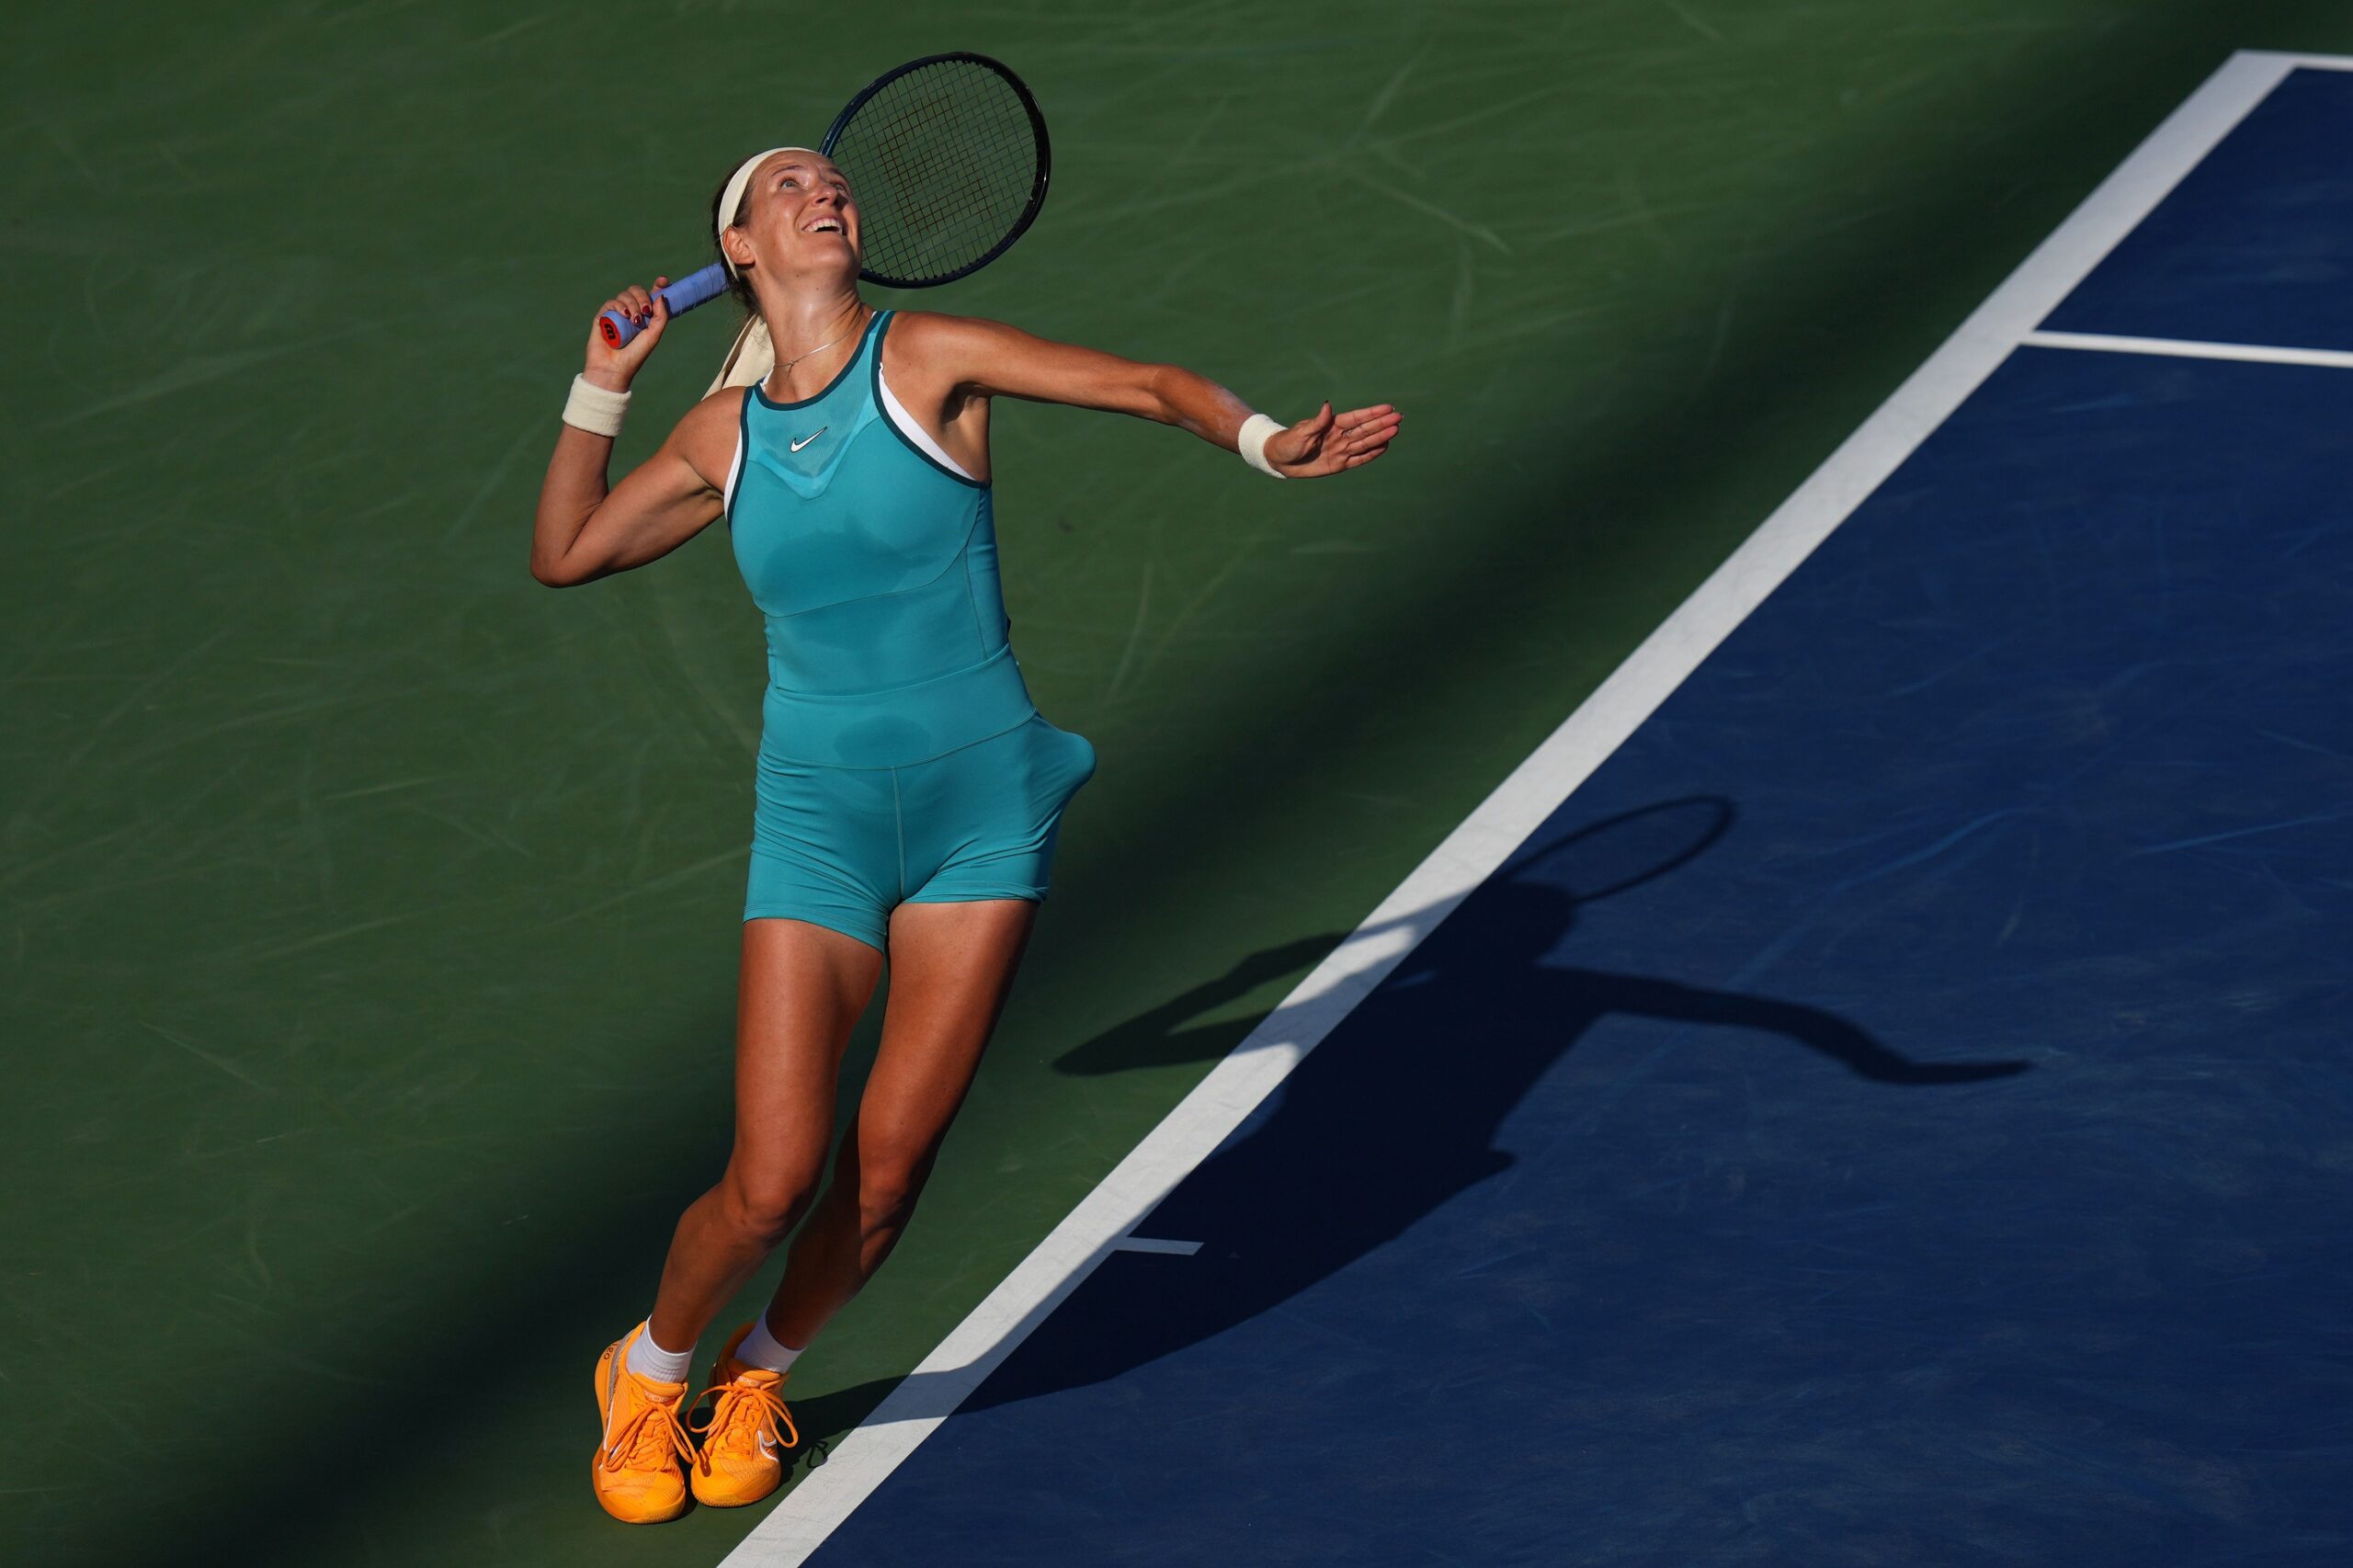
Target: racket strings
pixel 954 183
pixel 944 160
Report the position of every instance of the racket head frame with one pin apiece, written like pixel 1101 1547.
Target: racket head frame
pixel 1037 129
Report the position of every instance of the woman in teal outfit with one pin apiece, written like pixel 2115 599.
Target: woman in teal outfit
pixel 909 792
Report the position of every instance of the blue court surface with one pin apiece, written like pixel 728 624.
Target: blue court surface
pixel 2256 244
pixel 1897 1109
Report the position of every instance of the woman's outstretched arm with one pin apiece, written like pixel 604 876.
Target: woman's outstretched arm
pixel 988 359
pixel 583 531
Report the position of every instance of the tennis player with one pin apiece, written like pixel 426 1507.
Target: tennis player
pixel 909 792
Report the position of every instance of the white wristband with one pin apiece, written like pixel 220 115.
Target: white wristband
pixel 1252 439
pixel 594 408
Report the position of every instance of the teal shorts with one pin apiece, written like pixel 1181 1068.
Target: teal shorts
pixel 843 846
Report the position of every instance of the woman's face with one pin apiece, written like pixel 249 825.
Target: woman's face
pixel 799 218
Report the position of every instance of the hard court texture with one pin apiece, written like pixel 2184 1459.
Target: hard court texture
pixel 368 913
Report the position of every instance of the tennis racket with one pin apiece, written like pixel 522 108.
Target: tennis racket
pixel 948 157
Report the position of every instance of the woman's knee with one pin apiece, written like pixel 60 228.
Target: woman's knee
pixel 889 1182
pixel 765 1205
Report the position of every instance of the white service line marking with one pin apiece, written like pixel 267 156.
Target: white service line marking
pixel 2292 61
pixel 2187 348
pixel 800 1523
pixel 1146 1244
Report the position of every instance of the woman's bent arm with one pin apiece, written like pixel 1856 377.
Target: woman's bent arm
pixel 582 532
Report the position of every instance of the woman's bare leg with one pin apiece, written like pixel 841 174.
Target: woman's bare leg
pixel 951 970
pixel 801 991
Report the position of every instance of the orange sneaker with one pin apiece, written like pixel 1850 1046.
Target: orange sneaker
pixel 639 1469
pixel 749 1433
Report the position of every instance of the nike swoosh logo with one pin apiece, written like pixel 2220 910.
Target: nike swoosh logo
pixel 767 1446
pixel 810 437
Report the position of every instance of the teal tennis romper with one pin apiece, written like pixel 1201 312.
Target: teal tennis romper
pixel 901 757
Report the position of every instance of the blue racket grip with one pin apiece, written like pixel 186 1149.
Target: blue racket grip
pixel 694 289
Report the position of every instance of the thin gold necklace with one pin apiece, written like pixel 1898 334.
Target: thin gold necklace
pixel 784 368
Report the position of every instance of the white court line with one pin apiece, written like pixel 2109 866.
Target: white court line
pixel 1146 1244
pixel 2187 348
pixel 1092 1231
pixel 2294 61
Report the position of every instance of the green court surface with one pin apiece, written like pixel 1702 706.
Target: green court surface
pixel 368 913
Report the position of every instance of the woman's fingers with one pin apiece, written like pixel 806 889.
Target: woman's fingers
pixel 1367 423
pixel 1359 435
pixel 633 302
pixel 1371 435
pixel 1327 442
pixel 649 331
pixel 641 307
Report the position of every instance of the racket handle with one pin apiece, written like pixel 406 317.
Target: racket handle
pixel 694 289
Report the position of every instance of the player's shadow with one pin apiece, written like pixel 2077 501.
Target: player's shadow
pixel 1398 1110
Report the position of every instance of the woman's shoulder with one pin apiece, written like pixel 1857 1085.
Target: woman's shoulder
pixel 725 401
pixel 938 325
pixel 706 434
pixel 930 339
pixel 719 411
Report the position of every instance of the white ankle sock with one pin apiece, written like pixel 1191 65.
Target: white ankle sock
pixel 648 1360
pixel 760 1348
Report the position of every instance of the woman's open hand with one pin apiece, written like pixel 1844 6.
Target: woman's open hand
pixel 614 367
pixel 1327 442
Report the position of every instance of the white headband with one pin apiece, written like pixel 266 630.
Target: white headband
pixel 732 196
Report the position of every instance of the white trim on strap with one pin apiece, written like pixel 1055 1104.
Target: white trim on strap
pixel 735 467
pixel 913 431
